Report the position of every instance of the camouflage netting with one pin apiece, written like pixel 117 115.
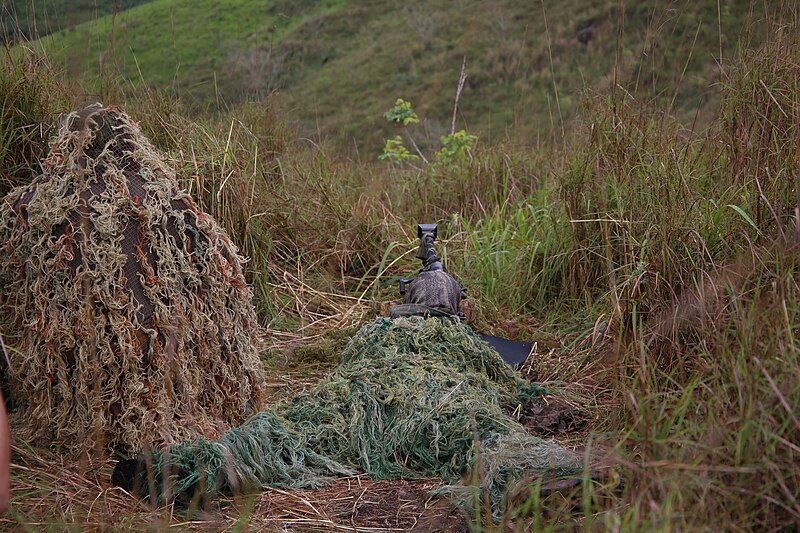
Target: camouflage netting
pixel 132 321
pixel 411 397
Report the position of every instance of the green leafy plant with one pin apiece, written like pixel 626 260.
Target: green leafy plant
pixel 395 151
pixel 455 146
pixel 401 112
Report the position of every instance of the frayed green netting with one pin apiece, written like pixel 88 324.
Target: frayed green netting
pixel 412 397
pixel 132 321
pixel 263 448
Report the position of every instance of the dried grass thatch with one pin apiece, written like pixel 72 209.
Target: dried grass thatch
pixel 132 320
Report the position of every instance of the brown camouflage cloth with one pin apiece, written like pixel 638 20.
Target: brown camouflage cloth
pixel 132 322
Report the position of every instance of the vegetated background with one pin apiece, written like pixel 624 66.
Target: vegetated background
pixel 338 65
pixel 631 204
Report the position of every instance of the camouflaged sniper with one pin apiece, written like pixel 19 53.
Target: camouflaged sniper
pixel 132 322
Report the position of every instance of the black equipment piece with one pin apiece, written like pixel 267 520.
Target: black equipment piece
pixel 514 353
pixel 427 229
pixel 427 251
pixel 403 283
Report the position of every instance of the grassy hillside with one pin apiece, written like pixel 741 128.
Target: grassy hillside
pixel 30 19
pixel 339 64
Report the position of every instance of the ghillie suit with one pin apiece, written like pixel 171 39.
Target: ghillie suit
pixel 412 397
pixel 133 322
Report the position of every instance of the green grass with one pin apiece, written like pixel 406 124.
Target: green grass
pixel 339 65
pixel 31 94
pixel 184 45
pixel 30 19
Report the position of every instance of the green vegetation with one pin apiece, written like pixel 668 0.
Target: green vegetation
pixel 338 64
pixel 655 265
pixel 402 113
pixel 421 419
pixel 396 152
pixel 158 42
pixel 455 146
pixel 30 19
pixel 31 94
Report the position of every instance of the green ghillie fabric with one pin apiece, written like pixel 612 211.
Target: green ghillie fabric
pixel 133 323
pixel 412 397
pixel 241 460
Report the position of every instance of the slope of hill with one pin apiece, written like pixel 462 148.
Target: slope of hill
pixel 29 19
pixel 339 64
